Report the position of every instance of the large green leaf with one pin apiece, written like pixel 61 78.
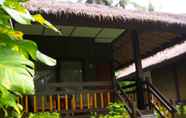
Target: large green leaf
pixel 24 47
pixel 20 17
pixel 27 48
pixel 38 18
pixel 8 103
pixel 45 59
pixel 16 72
pixel 4 18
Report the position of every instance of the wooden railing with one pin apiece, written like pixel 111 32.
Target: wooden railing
pixel 159 102
pixel 61 101
pixel 154 100
pixel 127 96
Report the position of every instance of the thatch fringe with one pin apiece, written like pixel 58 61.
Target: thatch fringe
pixel 104 14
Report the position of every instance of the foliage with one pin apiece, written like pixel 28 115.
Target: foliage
pixel 115 110
pixel 17 56
pixel 181 110
pixel 44 115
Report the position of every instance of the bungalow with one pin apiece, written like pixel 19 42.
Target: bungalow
pixel 96 41
pixel 166 70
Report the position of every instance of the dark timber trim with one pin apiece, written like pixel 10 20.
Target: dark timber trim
pixel 177 86
pixel 173 41
pixel 139 70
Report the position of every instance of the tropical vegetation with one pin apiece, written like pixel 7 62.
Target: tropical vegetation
pixel 45 115
pixel 17 56
pixel 115 110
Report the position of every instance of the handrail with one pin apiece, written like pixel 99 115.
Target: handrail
pixel 129 86
pixel 158 111
pixel 81 84
pixel 125 99
pixel 160 97
pixel 124 94
pixel 71 92
pixel 153 91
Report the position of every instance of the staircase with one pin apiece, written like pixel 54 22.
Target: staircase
pixel 157 106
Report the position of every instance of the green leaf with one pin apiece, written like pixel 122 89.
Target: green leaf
pixel 20 17
pixel 38 18
pixel 16 72
pixel 24 47
pixel 45 59
pixel 14 4
pixel 7 99
pixel 29 47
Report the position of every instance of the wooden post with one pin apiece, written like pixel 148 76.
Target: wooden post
pixel 35 103
pixel 59 103
pixel 26 104
pixel 43 103
pixel 66 103
pixel 177 85
pixel 88 101
pixel 50 104
pixel 139 70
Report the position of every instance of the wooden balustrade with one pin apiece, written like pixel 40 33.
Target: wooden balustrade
pixel 79 102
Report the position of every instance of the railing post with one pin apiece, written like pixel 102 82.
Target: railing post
pixel 43 103
pixel 59 103
pixel 26 104
pixel 35 103
pixel 88 101
pixel 148 95
pixel 134 114
pixel 81 102
pixel 139 70
pixel 66 103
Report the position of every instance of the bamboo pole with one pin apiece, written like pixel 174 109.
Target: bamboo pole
pixel 102 100
pixel 88 101
pixel 58 103
pixel 43 103
pixel 95 100
pixel 66 102
pixel 73 103
pixel 26 104
pixel 50 102
pixel 81 102
pixel 35 103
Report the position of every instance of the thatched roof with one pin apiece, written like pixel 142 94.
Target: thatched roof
pixel 157 58
pixel 157 31
pixel 94 15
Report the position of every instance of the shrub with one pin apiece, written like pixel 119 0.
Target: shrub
pixel 44 115
pixel 115 110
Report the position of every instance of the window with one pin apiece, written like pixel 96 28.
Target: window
pixel 71 71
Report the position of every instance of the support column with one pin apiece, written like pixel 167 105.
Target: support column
pixel 139 71
pixel 177 84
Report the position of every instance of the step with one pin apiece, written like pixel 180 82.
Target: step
pixel 148 116
pixel 79 116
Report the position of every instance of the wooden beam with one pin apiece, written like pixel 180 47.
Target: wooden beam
pixel 177 85
pixel 81 84
pixel 173 41
pixel 139 70
pixel 43 37
pixel 174 60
